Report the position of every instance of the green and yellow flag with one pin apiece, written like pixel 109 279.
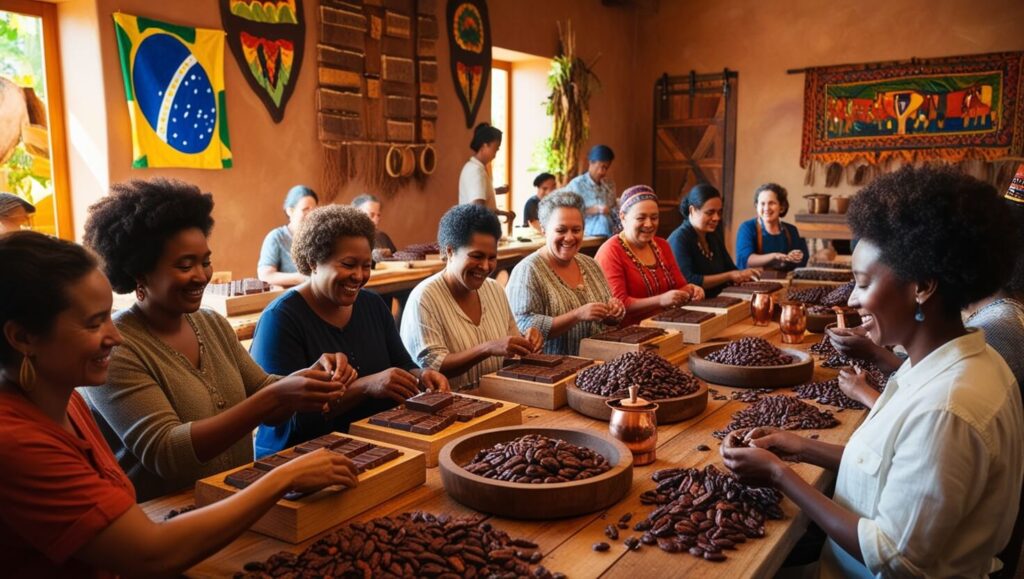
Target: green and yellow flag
pixel 174 84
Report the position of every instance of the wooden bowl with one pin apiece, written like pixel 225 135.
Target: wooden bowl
pixel 535 501
pixel 816 322
pixel 752 376
pixel 670 410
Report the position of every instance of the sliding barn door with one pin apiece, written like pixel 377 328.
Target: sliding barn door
pixel 694 140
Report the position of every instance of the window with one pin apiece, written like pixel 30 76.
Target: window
pixel 501 117
pixel 32 151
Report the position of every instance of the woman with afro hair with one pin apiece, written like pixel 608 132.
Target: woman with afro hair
pixel 929 485
pixel 183 396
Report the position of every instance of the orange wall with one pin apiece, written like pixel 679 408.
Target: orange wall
pixel 269 158
pixel 763 39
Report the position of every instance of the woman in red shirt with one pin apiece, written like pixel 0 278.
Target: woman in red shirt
pixel 66 509
pixel 641 271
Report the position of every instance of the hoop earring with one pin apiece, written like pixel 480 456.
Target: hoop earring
pixel 140 294
pixel 27 374
pixel 919 314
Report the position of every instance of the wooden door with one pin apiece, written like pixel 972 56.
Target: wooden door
pixel 694 138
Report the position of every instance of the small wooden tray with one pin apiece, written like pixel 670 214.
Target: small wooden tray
pixel 693 333
pixel 733 314
pixel 670 410
pixel 536 501
pixel 604 351
pixel 525 392
pixel 297 520
pixel 752 376
pixel 509 414
pixel 236 305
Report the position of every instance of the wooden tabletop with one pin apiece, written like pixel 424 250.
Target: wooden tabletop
pixel 567 542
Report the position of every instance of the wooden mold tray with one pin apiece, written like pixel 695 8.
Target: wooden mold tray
pixel 236 305
pixel 734 313
pixel 508 414
pixel 297 520
pixel 692 332
pixel 535 393
pixel 664 345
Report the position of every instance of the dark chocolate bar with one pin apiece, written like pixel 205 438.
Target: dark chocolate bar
pixel 716 302
pixel 546 360
pixel 271 462
pixel 429 402
pixel 243 478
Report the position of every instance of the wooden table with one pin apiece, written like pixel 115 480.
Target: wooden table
pixel 823 225
pixel 567 542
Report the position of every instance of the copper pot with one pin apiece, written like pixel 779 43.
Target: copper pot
pixel 635 424
pixel 817 202
pixel 761 308
pixel 842 204
pixel 793 322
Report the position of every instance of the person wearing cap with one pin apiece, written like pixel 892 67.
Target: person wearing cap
pixel 544 183
pixel 276 266
pixel 638 264
pixel 14 212
pixel 475 181
pixel 598 192
pixel 383 247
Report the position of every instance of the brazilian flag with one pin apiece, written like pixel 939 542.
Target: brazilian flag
pixel 174 84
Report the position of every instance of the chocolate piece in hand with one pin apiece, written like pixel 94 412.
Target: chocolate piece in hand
pixel 429 402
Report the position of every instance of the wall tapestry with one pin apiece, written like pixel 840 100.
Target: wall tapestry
pixel 174 85
pixel 469 42
pixel 267 40
pixel 953 110
pixel 377 93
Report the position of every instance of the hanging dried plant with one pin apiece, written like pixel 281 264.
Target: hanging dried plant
pixel 572 81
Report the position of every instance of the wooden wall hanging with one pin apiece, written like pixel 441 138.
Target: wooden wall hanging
pixel 268 40
pixel 469 41
pixel 377 91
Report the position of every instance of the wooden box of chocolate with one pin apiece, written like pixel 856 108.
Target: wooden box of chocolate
pixel 695 326
pixel 735 309
pixel 538 380
pixel 745 290
pixel 614 343
pixel 429 421
pixel 822 276
pixel 240 296
pixel 385 471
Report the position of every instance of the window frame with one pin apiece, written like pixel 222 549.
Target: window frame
pixel 506 141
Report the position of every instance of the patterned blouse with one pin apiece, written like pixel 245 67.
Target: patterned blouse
pixel 595 194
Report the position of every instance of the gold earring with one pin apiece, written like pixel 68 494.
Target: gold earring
pixel 27 374
pixel 140 294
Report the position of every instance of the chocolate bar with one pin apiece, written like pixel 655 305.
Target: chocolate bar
pixel 271 462
pixel 320 442
pixel 753 286
pixel 433 425
pixel 717 302
pixel 384 418
pixel 629 335
pixel 243 478
pixel 429 402
pixel 684 316
pixel 405 420
pixel 352 448
pixel 546 360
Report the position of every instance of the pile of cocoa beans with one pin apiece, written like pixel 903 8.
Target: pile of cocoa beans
pixel 750 352
pixel 409 545
pixel 535 458
pixel 657 378
pixel 785 412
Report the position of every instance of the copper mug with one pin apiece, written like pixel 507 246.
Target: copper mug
pixel 761 308
pixel 634 422
pixel 793 322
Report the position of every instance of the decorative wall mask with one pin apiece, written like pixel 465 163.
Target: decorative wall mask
pixel 469 41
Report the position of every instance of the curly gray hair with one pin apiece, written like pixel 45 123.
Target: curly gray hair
pixel 561 199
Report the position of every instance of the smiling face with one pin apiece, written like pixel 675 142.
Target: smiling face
pixel 76 351
pixel 640 223
pixel 341 276
pixel 886 303
pixel 599 170
pixel 563 233
pixel 298 212
pixel 372 210
pixel 707 218
pixel 472 264
pixel 177 282
pixel 769 209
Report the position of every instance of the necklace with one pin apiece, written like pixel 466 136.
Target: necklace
pixel 705 248
pixel 653 286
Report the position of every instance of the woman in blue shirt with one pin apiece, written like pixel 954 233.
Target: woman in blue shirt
pixel 333 311
pixel 765 241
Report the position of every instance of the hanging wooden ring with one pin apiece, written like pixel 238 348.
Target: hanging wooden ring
pixel 408 162
pixel 393 162
pixel 428 160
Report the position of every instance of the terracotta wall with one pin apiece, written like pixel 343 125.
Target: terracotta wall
pixel 763 39
pixel 269 158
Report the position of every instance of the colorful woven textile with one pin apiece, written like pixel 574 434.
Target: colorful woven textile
pixel 949 109
pixel 174 85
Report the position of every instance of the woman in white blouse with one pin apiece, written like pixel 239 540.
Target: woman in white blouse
pixel 928 485
pixel 458 321
pixel 475 180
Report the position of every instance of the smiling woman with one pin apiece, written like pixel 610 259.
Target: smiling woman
pixel 183 395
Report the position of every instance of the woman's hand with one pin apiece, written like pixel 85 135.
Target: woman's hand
pixel 535 338
pixel 795 256
pixel 745 275
pixel 593 312
pixel 753 465
pixel 616 311
pixel 335 364
pixel 510 347
pixel 434 381
pixel 854 383
pixel 393 383
pixel 305 391
pixel 696 292
pixel 674 298
pixel 780 442
pixel 853 343
pixel 316 470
